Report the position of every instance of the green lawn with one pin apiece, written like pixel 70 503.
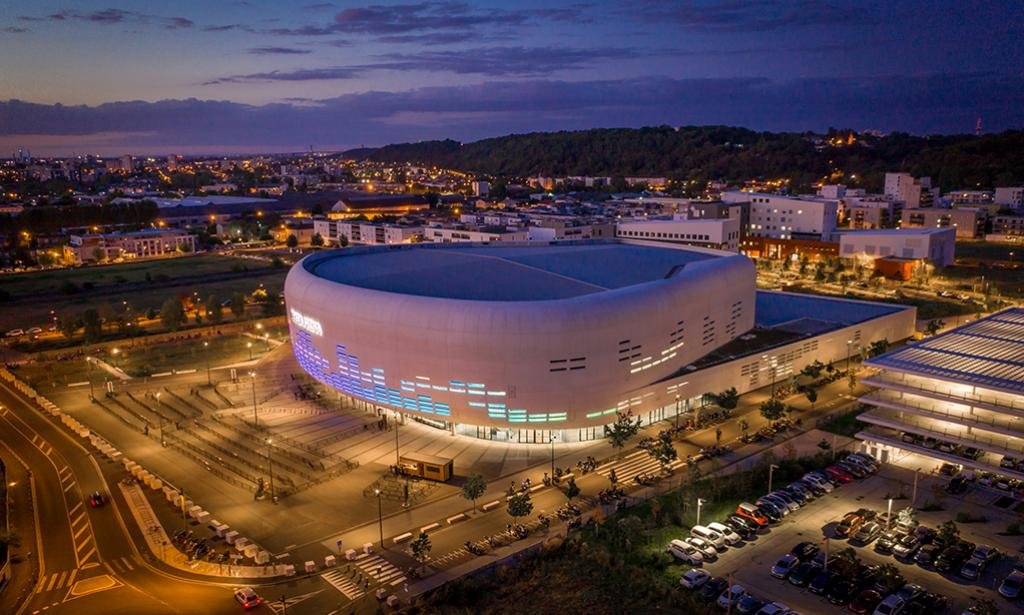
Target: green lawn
pixel 845 424
pixel 106 276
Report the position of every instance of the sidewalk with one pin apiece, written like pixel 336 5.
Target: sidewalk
pixel 24 568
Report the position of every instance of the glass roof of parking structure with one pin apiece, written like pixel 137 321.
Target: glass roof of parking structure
pixel 514 272
pixel 988 353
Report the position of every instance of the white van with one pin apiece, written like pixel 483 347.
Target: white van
pixel 708 534
pixel 685 552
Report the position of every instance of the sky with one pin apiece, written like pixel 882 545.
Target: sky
pixel 226 76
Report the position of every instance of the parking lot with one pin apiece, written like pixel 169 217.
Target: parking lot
pixel 749 564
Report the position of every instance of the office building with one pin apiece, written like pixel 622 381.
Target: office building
pixel 933 245
pixel 788 217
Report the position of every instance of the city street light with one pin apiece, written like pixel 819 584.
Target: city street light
pixel 888 516
pixel 270 466
pixel 206 351
pixel 677 411
pixel 913 498
pixel 700 503
pixel 161 416
pixel 249 346
pixel 114 353
pixel 255 415
pixel 552 439
pixel 849 345
pixel 380 517
pixel 771 473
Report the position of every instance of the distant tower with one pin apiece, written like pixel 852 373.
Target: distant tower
pixel 977 128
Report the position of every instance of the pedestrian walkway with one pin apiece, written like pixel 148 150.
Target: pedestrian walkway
pixel 56 581
pixel 344 583
pixel 123 565
pixel 634 464
pixel 381 570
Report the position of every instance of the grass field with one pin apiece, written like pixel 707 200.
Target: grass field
pixel 26 315
pixel 989 250
pixel 106 276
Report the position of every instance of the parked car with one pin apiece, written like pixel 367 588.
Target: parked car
pixel 1011 585
pixel 728 535
pixel 787 499
pixel 906 547
pixel 972 569
pixel 784 566
pixel 770 510
pixel 708 535
pixel 816 490
pixel 731 597
pixel 695 578
pixel 748 605
pixel 952 557
pixel 819 584
pixel 713 588
pixel 985 552
pixel 927 604
pixel 740 527
pixel 852 469
pixel 686 552
pixel 818 482
pixel 749 511
pixel 805 551
pixel 850 524
pixel 927 555
pixel 865 602
pixel 866 533
pixel 841 592
pixel 865 460
pixel 839 474
pixel 910 591
pixel 774 608
pixel 803 573
pixel 887 541
pixel 957 485
pixel 706 549
pixel 892 605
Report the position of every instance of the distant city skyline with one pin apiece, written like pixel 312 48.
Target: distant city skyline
pixel 113 77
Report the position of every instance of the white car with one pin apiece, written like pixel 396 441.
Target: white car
pixel 892 605
pixel 730 536
pixel 686 552
pixel 708 535
pixel 817 481
pixel 706 549
pixel 247 597
pixel 694 579
pixel 784 566
pixel 731 596
pixel 15 333
pixel 773 608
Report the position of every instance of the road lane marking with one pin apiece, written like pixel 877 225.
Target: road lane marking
pixel 69 486
pixel 78 519
pixel 79 532
pixel 88 555
pixel 75 509
pixel 79 546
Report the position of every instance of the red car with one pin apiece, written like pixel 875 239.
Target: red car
pixel 96 499
pixel 838 474
pixel 865 602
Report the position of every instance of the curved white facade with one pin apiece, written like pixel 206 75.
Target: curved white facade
pixel 547 364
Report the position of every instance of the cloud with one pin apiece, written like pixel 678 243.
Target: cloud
pixel 469 112
pixel 491 61
pixel 112 17
pixel 14 30
pixel 319 6
pixel 264 51
pixel 229 27
pixel 749 15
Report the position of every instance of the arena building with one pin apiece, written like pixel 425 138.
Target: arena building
pixel 525 342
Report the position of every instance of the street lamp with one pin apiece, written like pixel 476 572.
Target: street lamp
pixel 677 411
pixel 270 466
pixel 552 439
pixel 206 351
pixel 849 345
pixel 888 516
pixel 160 415
pixel 380 517
pixel 700 502
pixel 114 353
pixel 255 415
pixel 771 473
pixel 249 346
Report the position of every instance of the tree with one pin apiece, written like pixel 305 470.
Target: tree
pixel 934 326
pixel 420 548
pixel 292 241
pixel 624 428
pixel 813 371
pixel 68 326
pixel 214 310
pixel 878 347
pixel 984 606
pixel 773 409
pixel 728 398
pixel 343 241
pixel 238 305
pixel 520 505
pixel 949 532
pixel 890 578
pixel 93 325
pixel 316 240
pixel 571 489
pixel 9 538
pixel 812 396
pixel 663 452
pixel 172 314
pixel 473 488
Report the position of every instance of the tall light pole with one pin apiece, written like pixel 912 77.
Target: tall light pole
pixel 552 439
pixel 771 473
pixel 160 414
pixel 913 498
pixel 398 459
pixel 888 516
pixel 700 503
pixel 249 346
pixel 677 411
pixel 255 415
pixel 849 345
pixel 270 466
pixel 114 353
pixel 206 351
pixel 380 518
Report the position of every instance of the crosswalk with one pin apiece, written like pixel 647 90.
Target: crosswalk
pixel 451 558
pixel 123 565
pixel 56 581
pixel 351 580
pixel 639 462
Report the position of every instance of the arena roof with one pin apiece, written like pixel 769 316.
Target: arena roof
pixel 793 310
pixel 513 272
pixel 988 352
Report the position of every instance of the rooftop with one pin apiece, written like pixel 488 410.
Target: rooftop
pixel 897 231
pixel 988 352
pixel 512 272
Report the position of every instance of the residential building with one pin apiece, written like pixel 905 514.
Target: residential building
pixel 934 245
pixel 1007 228
pixel 337 232
pixel 462 233
pixel 969 222
pixel 720 234
pixel 481 188
pixel 912 192
pixel 147 243
pixel 788 217
pixel 1012 196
